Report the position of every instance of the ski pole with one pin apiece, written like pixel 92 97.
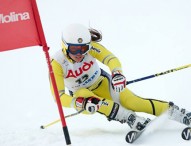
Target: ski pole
pixel 58 120
pixel 158 74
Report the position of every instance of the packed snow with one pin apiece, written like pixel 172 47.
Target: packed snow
pixel 148 36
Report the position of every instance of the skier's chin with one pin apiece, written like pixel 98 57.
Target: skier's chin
pixel 78 58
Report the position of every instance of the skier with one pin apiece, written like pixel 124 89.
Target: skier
pixel 94 90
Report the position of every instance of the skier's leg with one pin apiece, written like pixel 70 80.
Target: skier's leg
pixel 138 104
pixel 154 107
pixel 114 111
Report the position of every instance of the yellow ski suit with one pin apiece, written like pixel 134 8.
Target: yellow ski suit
pixel 101 88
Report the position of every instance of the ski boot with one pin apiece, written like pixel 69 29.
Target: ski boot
pixel 127 116
pixel 179 114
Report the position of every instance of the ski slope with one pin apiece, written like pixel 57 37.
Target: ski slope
pixel 148 37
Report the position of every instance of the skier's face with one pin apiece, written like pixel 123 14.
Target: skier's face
pixel 77 52
pixel 77 58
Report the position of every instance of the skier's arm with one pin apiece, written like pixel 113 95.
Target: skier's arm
pixel 105 56
pixel 65 99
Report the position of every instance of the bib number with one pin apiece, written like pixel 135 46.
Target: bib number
pixel 82 79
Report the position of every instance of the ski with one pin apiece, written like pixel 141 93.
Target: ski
pixel 186 133
pixel 133 135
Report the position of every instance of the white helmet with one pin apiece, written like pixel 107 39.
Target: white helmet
pixel 76 34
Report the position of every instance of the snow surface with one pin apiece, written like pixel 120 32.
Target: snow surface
pixel 148 36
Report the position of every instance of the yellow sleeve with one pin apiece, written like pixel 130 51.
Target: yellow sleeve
pixel 105 56
pixel 65 99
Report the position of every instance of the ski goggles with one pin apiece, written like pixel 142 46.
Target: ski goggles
pixel 75 49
